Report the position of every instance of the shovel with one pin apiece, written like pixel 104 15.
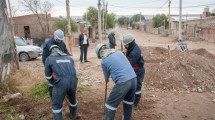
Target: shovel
pixel 105 94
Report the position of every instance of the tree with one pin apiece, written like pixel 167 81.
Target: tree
pixel 42 11
pixel 62 24
pixel 123 21
pixel 136 18
pixel 159 20
pixel 111 20
pixel 92 16
pixel 14 10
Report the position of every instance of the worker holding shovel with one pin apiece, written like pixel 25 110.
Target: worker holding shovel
pixel 133 53
pixel 116 65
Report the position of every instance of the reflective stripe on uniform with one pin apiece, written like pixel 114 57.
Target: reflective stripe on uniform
pixel 57 111
pixel 48 77
pixel 139 92
pixel 74 104
pixel 62 61
pixel 110 107
pixel 50 85
pixel 129 103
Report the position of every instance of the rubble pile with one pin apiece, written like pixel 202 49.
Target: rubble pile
pixel 190 71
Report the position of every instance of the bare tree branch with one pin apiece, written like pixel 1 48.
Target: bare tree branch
pixel 41 9
pixel 14 10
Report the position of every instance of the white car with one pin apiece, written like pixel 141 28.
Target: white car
pixel 26 52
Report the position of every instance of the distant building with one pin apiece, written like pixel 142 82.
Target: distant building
pixel 28 26
pixel 201 27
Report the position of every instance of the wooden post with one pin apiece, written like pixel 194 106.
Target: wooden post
pixel 69 42
pixel 169 51
pixel 12 34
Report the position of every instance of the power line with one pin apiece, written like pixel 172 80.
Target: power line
pixel 196 5
pixel 133 7
pixel 147 2
pixel 60 2
pixel 161 6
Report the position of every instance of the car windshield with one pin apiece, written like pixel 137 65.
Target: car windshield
pixel 19 42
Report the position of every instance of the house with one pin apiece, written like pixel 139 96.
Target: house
pixel 195 27
pixel 34 26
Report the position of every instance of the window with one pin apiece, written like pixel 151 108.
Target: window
pixel 19 42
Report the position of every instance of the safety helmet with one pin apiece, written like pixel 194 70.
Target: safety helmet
pixel 54 50
pixel 58 34
pixel 113 32
pixel 98 48
pixel 127 39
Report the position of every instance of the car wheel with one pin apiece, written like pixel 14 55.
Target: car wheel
pixel 23 57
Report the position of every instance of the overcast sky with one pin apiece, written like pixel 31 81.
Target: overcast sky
pixel 125 7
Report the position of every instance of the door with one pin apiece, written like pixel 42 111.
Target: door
pixel 27 32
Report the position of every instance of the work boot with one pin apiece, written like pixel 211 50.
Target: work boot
pixel 77 117
pixel 136 101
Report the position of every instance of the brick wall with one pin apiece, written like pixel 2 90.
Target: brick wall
pixel 32 22
pixel 192 28
pixel 208 34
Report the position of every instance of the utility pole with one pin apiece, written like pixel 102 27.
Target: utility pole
pixel 200 21
pixel 86 15
pixel 106 15
pixel 169 18
pixel 103 19
pixel 140 17
pixel 99 21
pixel 180 19
pixel 12 34
pixel 69 41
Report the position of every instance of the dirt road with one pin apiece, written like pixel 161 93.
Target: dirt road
pixel 147 39
pixel 156 104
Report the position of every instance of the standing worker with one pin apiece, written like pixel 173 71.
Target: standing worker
pixel 112 39
pixel 116 65
pixel 84 44
pixel 65 82
pixel 136 60
pixel 57 40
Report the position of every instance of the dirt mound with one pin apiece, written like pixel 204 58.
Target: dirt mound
pixel 156 54
pixel 203 53
pixel 193 71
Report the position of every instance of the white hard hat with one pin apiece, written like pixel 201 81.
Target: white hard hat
pixel 113 32
pixel 98 48
pixel 54 49
pixel 127 39
pixel 58 34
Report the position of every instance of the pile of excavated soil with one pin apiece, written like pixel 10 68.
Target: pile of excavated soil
pixel 192 71
pixel 157 54
pixel 204 53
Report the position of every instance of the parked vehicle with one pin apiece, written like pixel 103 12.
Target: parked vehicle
pixel 37 42
pixel 26 52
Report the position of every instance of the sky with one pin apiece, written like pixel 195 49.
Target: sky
pixel 124 7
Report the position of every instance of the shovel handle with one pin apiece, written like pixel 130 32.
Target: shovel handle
pixel 105 94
